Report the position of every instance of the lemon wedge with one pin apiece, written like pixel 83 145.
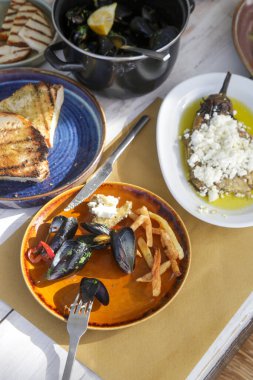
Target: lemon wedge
pixel 101 21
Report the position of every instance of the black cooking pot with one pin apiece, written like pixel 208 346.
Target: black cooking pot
pixel 121 77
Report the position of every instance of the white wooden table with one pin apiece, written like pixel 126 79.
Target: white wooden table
pixel 206 46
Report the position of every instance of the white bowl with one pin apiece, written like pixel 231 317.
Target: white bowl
pixel 168 145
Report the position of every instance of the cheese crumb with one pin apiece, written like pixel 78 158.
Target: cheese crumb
pixel 219 151
pixel 103 206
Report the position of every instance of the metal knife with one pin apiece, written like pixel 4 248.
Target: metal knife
pixel 105 170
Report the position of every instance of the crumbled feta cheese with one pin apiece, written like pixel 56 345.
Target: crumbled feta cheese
pixel 219 151
pixel 207 117
pixel 234 112
pixel 213 194
pixel 103 206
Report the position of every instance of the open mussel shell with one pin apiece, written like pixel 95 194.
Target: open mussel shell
pixel 66 231
pixel 72 256
pixel 95 241
pixel 56 223
pixel 92 287
pixel 124 248
pixel 96 228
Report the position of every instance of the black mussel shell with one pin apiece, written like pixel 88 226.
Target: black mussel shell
pixel 105 46
pixel 95 241
pixel 92 287
pixel 122 11
pixel 66 231
pixel 102 3
pixel 96 228
pixel 72 256
pixel 163 37
pixel 124 248
pixel 149 13
pixel 79 34
pixel 77 15
pixel 56 223
pixel 141 27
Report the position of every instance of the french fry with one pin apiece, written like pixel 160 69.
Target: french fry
pixel 132 215
pixel 138 253
pixel 148 225
pixel 156 278
pixel 156 231
pixel 138 222
pixel 146 253
pixel 165 225
pixel 148 276
pixel 171 252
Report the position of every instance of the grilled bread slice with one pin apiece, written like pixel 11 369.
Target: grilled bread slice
pixel 10 54
pixel 36 33
pixel 40 103
pixel 24 13
pixel 23 151
pixel 9 18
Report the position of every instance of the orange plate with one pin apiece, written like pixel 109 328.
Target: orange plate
pixel 130 301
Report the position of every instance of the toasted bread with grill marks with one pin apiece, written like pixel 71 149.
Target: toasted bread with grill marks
pixel 10 54
pixel 23 151
pixel 40 104
pixel 36 33
pixel 9 18
pixel 25 12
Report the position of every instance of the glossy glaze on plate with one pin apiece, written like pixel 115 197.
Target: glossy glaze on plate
pixel 130 301
pixel 168 145
pixel 242 28
pixel 78 140
pixel 34 58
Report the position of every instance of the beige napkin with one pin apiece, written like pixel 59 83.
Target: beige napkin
pixel 169 345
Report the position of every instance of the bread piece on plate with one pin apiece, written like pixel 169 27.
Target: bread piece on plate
pixel 36 33
pixel 24 13
pixel 9 18
pixel 10 54
pixel 23 151
pixel 40 103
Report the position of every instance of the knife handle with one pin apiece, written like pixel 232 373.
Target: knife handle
pixel 129 137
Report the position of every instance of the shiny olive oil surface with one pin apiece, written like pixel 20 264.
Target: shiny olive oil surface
pixel 245 115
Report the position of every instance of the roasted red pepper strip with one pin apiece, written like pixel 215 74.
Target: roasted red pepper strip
pixel 47 248
pixel 36 254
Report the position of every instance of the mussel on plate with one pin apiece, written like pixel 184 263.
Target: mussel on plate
pixel 124 248
pixel 91 288
pixel 72 256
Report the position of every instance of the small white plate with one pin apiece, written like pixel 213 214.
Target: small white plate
pixel 168 145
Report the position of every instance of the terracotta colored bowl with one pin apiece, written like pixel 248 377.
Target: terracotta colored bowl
pixel 130 301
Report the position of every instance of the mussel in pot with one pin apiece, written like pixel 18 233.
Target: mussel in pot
pixel 91 288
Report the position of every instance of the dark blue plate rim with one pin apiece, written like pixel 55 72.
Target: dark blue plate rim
pixel 93 163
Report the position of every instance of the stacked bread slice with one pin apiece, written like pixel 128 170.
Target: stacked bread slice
pixel 26 28
pixel 28 119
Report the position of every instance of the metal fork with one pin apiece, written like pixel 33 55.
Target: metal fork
pixel 77 325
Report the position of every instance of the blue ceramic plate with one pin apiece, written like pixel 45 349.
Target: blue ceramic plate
pixel 78 139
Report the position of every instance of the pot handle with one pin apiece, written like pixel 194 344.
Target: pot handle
pixel 56 62
pixel 192 5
